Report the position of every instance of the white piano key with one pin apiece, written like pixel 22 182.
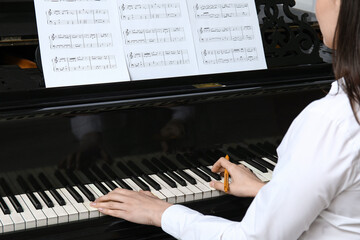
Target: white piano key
pixel 214 192
pixel 157 193
pixel 80 208
pixel 51 216
pixel 258 173
pixel 39 216
pixel 188 194
pixel 97 193
pixel 62 215
pixel 170 197
pixel 197 192
pixel 17 219
pixel 7 223
pixel 29 219
pixel 206 191
pixel 180 197
pixel 93 212
pixel 269 161
pixel 73 214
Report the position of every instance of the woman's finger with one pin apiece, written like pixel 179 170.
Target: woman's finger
pixel 221 164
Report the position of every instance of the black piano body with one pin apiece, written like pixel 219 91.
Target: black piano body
pixel 102 134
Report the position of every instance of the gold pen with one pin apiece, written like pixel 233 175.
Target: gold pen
pixel 226 177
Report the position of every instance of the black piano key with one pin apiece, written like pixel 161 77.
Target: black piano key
pixel 110 184
pixel 146 178
pixel 261 152
pixel 113 175
pixel 93 179
pixel 74 194
pixel 140 183
pixel 103 177
pixel 166 179
pixel 68 187
pixel 4 207
pixel 25 187
pixel 159 173
pixel 209 172
pixel 11 196
pixel 186 176
pixel 81 186
pixel 122 184
pixel 15 203
pixel 201 174
pixel 177 178
pixel 86 192
pixel 46 199
pixel 51 189
pixel 256 165
pixel 40 191
pixel 34 200
pixel 273 157
pixel 256 158
pixel 101 187
pixel 151 182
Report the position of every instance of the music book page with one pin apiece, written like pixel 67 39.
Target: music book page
pixel 157 38
pixel 98 41
pixel 226 35
pixel 80 42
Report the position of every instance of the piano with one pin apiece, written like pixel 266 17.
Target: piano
pixel 61 148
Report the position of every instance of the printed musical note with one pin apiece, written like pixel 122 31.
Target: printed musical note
pixel 217 34
pixel 90 40
pixel 222 56
pixel 230 10
pixel 155 35
pixel 73 17
pixel 83 63
pixel 149 11
pixel 158 58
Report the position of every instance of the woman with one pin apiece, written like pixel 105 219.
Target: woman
pixel 315 190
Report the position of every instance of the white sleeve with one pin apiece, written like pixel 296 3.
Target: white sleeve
pixel 313 167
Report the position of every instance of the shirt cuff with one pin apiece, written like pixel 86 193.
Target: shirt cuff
pixel 175 218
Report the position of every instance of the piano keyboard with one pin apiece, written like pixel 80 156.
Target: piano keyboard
pixel 34 199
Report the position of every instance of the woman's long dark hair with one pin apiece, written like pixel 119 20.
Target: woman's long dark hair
pixel 347 58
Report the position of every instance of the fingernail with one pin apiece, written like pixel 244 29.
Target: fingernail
pixel 100 209
pixel 212 184
pixel 93 204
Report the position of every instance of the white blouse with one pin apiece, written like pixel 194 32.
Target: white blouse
pixel 315 189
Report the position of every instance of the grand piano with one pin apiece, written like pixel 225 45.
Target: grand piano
pixel 61 148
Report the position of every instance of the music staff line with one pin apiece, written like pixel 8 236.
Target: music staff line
pixel 83 63
pixel 149 11
pixel 158 58
pixel 232 10
pixel 72 17
pixel 72 41
pixel 215 34
pixel 222 56
pixel 154 35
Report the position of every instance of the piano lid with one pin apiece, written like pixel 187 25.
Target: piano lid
pixel 291 38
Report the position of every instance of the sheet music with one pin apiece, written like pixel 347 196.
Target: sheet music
pixel 80 42
pixel 157 38
pixel 226 35
pixel 101 41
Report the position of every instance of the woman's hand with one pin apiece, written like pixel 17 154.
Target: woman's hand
pixel 243 182
pixel 138 207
